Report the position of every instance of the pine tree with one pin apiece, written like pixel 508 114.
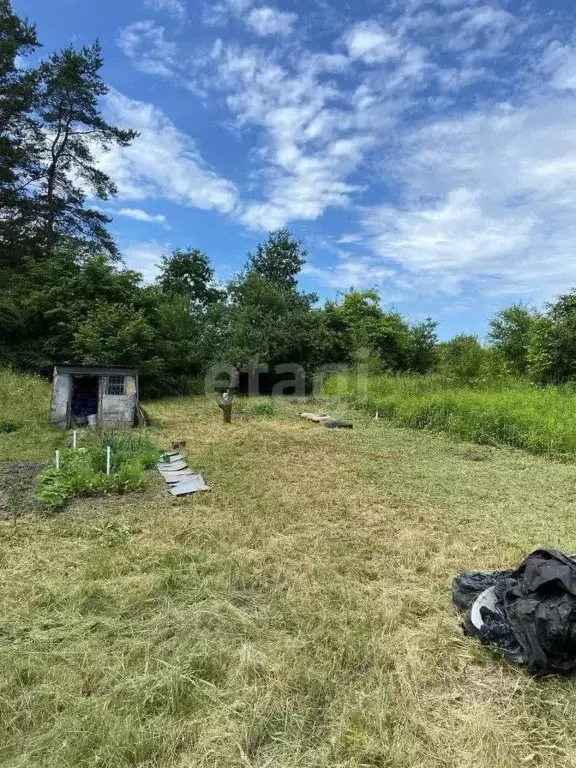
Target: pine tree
pixel 74 127
pixel 20 135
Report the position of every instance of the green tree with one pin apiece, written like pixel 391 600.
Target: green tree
pixel 511 333
pixel 79 308
pixel 74 127
pixel 189 273
pixel 20 137
pixel 422 346
pixel 552 351
pixel 380 339
pixel 266 317
pixel 280 259
pixel 117 334
pixel 329 338
pixel 45 305
pixel 462 358
pixel 263 320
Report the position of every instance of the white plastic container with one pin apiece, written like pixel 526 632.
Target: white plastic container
pixel 93 420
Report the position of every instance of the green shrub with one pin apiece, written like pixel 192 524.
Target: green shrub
pixel 134 445
pixel 9 426
pixel 83 471
pixel 130 475
pixel 53 490
pixel 262 409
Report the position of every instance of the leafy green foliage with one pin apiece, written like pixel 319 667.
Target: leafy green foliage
pixel 262 409
pixel 552 350
pixel 100 314
pixel 511 335
pixel 7 427
pixel 50 126
pixel 137 445
pixel 83 470
pixel 263 320
pixel 376 339
pixel 279 260
pixel 20 136
pixel 189 274
pixel 462 358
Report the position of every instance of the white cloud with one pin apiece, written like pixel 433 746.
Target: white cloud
pixel 176 8
pixel 270 21
pixel 263 20
pixel 467 156
pixel 139 215
pixel 145 257
pixel 219 12
pixel 145 44
pixel 351 272
pixel 163 162
pixel 489 199
pixel 309 144
pixel 560 61
pixel 305 185
pixel 369 42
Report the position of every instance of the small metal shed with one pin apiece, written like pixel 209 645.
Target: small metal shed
pixel 103 397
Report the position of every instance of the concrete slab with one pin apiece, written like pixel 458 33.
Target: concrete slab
pixel 191 485
pixel 172 467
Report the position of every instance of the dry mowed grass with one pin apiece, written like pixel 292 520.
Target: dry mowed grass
pixel 299 615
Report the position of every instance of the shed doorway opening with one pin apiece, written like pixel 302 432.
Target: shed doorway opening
pixel 84 401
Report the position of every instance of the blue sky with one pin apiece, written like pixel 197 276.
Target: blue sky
pixel 424 148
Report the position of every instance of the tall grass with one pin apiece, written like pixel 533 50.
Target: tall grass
pixel 25 414
pixel 540 420
pixel 23 398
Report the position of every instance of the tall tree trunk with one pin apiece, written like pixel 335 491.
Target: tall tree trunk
pixel 57 149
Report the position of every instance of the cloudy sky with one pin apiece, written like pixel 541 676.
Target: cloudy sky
pixel 427 148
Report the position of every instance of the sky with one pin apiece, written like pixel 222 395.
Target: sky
pixel 423 148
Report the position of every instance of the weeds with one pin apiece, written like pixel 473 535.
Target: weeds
pixel 83 471
pixel 262 409
pixel 539 420
pixel 7 427
pixel 25 403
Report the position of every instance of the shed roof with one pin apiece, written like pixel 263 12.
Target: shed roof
pixel 88 370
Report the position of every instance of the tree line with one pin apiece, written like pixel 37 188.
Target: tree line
pixel 67 298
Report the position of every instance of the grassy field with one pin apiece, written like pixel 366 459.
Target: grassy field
pixel 516 413
pixel 298 615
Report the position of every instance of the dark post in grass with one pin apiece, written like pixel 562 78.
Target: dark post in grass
pixel 226 405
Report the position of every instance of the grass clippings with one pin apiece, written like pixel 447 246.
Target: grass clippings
pixel 17 485
pixel 300 615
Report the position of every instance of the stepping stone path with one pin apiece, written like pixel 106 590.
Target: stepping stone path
pixel 181 480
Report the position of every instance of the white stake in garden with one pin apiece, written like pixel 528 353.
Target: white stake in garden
pixel 57 459
pixel 108 455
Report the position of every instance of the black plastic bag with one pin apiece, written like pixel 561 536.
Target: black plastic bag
pixel 531 617
pixel 470 585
